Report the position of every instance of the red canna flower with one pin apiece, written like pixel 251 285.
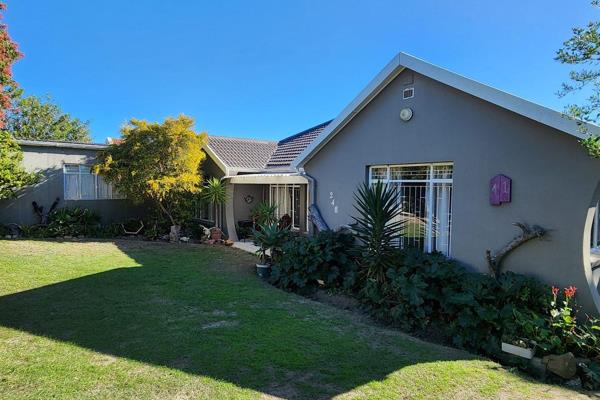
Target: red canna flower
pixel 555 290
pixel 570 291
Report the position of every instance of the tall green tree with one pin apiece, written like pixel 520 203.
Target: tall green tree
pixel 35 118
pixel 582 49
pixel 12 175
pixel 157 163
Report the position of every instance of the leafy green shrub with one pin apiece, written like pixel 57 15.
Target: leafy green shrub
pixel 326 256
pixel 73 222
pixel 429 291
pixel 34 231
pixel 557 329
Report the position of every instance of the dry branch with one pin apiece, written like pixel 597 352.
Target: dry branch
pixel 527 233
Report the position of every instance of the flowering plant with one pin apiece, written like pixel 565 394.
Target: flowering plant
pixel 583 338
pixel 563 317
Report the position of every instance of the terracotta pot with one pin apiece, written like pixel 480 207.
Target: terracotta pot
pixel 216 234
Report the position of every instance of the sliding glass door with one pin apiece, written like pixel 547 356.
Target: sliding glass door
pixel 287 198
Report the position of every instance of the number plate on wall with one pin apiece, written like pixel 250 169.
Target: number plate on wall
pixel 500 190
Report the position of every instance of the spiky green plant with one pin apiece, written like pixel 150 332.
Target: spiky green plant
pixel 377 228
pixel 215 193
pixel 264 213
pixel 270 239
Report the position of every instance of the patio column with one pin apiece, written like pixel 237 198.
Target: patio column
pixel 229 216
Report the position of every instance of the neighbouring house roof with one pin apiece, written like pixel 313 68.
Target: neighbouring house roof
pixel 404 61
pixel 59 144
pixel 249 155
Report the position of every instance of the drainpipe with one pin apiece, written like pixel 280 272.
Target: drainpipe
pixel 311 196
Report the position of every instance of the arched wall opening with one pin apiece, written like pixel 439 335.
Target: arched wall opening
pixel 591 246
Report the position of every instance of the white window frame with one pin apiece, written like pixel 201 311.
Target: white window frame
pixel 430 184
pixel 112 193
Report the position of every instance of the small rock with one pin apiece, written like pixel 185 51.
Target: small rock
pixel 563 365
pixel 67 237
pixel 184 239
pixel 537 367
pixel 574 383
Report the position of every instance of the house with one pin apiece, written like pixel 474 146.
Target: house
pixel 66 175
pixel 468 162
pixel 440 138
pixel 260 171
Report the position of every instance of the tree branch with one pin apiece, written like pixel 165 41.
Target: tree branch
pixel 527 233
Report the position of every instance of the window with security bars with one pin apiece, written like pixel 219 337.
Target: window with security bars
pixel 425 198
pixel 81 184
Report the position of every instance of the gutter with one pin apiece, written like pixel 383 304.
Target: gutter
pixel 311 198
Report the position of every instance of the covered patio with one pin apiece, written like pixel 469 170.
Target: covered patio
pixel 287 191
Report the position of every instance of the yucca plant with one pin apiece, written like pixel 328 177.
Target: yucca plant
pixel 377 228
pixel 264 213
pixel 215 193
pixel 269 238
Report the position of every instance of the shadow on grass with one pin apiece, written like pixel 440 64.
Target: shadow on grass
pixel 201 310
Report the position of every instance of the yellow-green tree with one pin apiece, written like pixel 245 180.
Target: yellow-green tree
pixel 156 162
pixel 12 175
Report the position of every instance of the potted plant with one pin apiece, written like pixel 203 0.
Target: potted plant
pixel 269 239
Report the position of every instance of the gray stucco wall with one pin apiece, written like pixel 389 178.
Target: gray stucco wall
pixel 240 207
pixel 50 161
pixel 554 181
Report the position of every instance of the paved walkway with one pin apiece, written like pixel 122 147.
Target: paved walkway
pixel 246 246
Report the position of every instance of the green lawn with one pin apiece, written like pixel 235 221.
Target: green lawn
pixel 155 321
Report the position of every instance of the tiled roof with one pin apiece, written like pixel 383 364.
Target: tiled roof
pixel 250 154
pixel 242 153
pixel 289 148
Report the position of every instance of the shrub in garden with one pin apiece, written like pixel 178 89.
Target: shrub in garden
pixel 73 222
pixel 270 238
pixel 430 291
pixel 326 256
pixel 377 228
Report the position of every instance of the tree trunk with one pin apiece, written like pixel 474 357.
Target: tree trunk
pixel 174 234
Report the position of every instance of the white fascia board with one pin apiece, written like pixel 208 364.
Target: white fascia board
pixel 377 84
pixel 216 159
pixel 401 61
pixel 267 179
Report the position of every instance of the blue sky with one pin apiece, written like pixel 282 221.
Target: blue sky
pixel 267 69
